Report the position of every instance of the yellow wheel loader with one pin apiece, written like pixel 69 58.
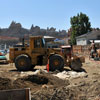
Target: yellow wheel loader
pixel 27 56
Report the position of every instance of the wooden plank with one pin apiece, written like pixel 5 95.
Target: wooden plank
pixel 16 94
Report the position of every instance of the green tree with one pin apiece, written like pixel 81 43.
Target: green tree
pixel 80 25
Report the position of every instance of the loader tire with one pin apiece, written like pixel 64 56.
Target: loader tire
pixel 76 65
pixel 23 63
pixel 56 62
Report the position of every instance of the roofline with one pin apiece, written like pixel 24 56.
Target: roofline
pixel 84 35
pixel 36 36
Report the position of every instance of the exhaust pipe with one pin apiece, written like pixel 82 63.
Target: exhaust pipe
pixel 23 43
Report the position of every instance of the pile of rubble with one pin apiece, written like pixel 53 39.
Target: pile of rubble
pixel 70 74
pixel 54 85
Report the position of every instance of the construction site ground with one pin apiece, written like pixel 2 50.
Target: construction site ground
pixel 65 85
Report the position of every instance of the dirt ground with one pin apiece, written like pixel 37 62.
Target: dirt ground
pixel 47 86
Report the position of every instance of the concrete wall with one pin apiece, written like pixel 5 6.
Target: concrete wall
pixel 83 50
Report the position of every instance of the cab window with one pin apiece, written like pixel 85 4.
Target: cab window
pixel 43 42
pixel 37 43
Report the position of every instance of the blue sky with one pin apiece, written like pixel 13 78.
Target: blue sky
pixel 47 13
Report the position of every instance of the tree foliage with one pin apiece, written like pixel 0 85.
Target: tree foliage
pixel 80 25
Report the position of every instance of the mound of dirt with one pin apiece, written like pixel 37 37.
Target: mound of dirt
pixel 84 91
pixel 34 82
pixel 39 80
pixel 45 86
pixel 31 81
pixel 5 83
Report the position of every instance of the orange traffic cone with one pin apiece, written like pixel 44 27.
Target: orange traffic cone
pixel 48 66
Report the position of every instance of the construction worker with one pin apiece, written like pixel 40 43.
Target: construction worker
pixel 93 49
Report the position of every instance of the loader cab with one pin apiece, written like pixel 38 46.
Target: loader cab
pixel 37 45
pixel 37 42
